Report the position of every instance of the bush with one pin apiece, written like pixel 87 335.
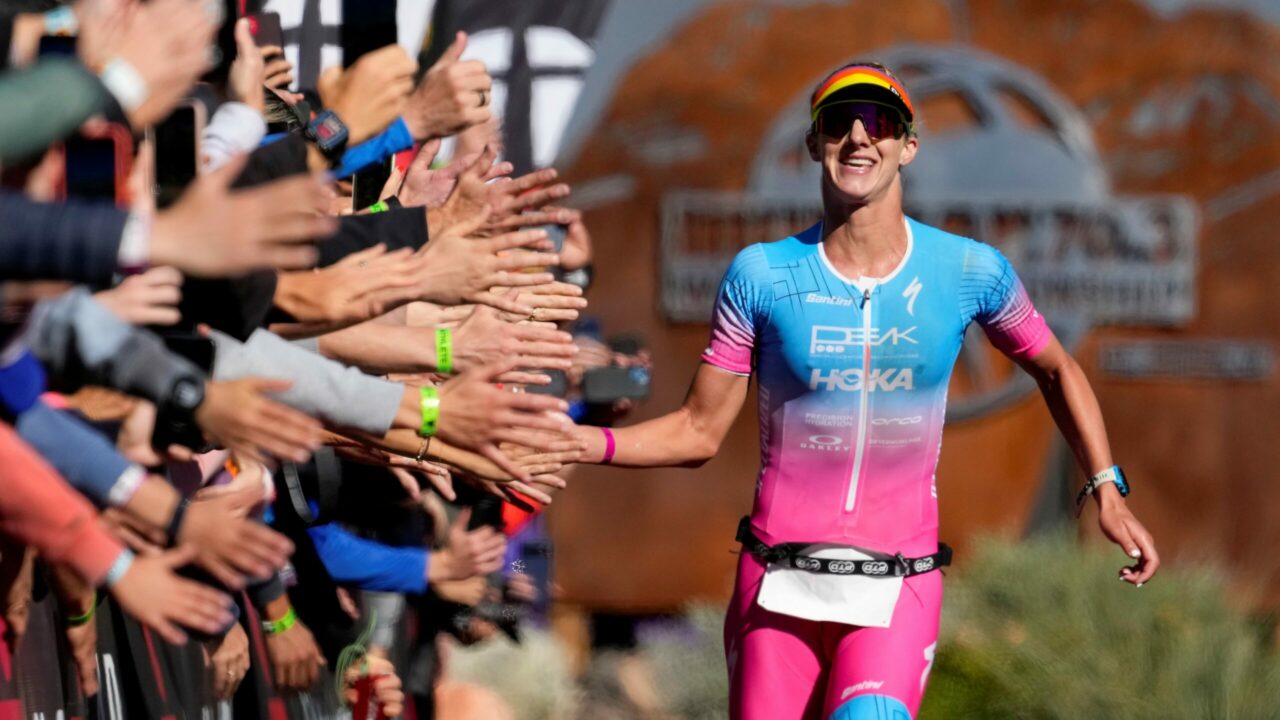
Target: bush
pixel 533 677
pixel 1042 629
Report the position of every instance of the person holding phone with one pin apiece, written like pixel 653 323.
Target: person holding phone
pixel 852 328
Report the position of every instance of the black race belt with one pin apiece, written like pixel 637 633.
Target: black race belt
pixel 886 566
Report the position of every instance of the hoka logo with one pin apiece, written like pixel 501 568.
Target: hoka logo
pixel 883 380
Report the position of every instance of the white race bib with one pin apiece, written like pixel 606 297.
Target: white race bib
pixel 860 600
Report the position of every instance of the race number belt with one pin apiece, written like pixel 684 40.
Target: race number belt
pixel 888 566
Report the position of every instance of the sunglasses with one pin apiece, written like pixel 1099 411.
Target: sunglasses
pixel 878 120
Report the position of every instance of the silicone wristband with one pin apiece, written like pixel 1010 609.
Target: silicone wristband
pixel 444 350
pixel 123 562
pixel 429 400
pixel 379 207
pixel 609 446
pixel 275 627
pixel 125 83
pixel 80 620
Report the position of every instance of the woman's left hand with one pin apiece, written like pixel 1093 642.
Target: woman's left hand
pixel 1123 529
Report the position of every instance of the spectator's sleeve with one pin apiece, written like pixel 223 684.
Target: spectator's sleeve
pixel 38 509
pixel 45 103
pixel 80 342
pixel 396 228
pixel 88 461
pixel 235 128
pixel 992 295
pixel 369 565
pixel 321 387
pixel 741 307
pixel 77 241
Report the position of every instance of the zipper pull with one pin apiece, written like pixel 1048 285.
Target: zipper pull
pixel 866 298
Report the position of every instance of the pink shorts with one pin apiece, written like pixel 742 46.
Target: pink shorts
pixel 786 668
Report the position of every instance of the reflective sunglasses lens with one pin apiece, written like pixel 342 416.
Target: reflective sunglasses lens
pixel 879 121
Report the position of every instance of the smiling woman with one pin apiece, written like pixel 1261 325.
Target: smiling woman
pixel 853 326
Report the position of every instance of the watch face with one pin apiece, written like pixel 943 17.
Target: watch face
pixel 1122 483
pixel 328 130
pixel 187 393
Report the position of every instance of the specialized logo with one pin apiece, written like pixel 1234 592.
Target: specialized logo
pixel 817 299
pixel 913 420
pixel 923 564
pixel 875 567
pixel 832 340
pixel 807 563
pixel 883 380
pixel 911 293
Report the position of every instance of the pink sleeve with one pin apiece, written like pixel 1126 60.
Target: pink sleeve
pixel 1017 329
pixel 39 509
pixel 739 305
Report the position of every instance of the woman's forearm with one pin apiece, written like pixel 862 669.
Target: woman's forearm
pixel 1076 412
pixel 671 440
pixel 380 348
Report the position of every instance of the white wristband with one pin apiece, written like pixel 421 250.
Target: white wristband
pixel 125 83
pixel 123 562
pixel 135 243
pixel 126 485
pixel 1106 476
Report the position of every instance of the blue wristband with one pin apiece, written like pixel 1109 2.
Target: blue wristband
pixel 123 562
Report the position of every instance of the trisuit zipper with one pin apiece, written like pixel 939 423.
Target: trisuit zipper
pixel 862 402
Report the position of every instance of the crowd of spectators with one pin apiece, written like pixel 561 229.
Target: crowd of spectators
pixel 239 400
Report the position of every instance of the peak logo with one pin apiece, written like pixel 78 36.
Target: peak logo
pixel 831 340
pixel 816 299
pixel 853 380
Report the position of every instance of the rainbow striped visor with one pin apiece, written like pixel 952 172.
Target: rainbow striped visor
pixel 861 82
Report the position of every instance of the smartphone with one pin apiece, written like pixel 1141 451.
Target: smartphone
pixel 98 163
pixel 627 344
pixel 485 512
pixel 266 29
pixel 558 387
pixel 608 384
pixel 57 45
pixel 176 141
pixel 366 185
pixel 366 706
pixel 196 348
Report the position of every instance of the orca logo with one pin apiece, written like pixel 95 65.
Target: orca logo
pixel 831 340
pixel 875 567
pixel 913 420
pixel 923 564
pixel 884 380
pixel 842 567
pixel 807 563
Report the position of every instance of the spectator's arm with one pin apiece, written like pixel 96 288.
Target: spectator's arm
pixel 367 564
pixel 45 103
pixel 39 509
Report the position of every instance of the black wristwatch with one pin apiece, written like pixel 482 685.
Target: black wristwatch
pixel 176 416
pixel 329 134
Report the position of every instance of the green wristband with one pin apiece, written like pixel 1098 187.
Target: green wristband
pixel 430 403
pixel 80 620
pixel 444 350
pixel 275 627
pixel 380 206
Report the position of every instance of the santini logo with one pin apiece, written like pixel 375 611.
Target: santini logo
pixel 864 685
pixel 885 380
pixel 817 299
pixel 828 339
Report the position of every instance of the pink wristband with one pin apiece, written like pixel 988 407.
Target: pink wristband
pixel 609 446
